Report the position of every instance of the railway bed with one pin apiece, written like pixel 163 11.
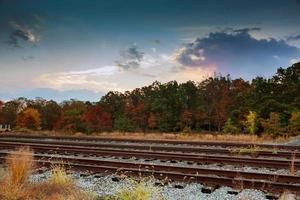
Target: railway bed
pixel 86 156
pixel 211 150
pixel 178 142
pixel 175 156
pixel 267 182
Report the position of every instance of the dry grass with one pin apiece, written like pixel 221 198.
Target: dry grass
pixel 252 151
pixel 16 186
pixel 140 190
pixel 192 137
pixel 204 136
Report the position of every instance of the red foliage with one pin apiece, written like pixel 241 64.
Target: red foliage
pixel 97 119
pixel 136 113
pixel 186 117
pixel 152 121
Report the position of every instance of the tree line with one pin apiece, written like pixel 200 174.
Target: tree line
pixel 218 103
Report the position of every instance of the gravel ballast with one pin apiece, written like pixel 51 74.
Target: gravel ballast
pixel 110 185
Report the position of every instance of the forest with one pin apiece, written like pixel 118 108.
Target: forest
pixel 218 104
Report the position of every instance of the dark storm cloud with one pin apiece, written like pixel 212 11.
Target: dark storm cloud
pixel 246 30
pixel 24 32
pixel 131 58
pixel 235 49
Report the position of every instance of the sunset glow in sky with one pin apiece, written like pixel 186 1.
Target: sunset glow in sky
pixel 82 49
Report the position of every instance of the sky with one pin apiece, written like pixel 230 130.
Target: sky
pixel 62 49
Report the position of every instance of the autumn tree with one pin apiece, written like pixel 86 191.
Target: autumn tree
pixel 72 113
pixel 97 119
pixel 152 121
pixel 217 97
pixel 218 103
pixel 295 122
pixel 136 112
pixel 51 113
pixel 272 125
pixel 29 118
pixel 186 119
pixel 252 122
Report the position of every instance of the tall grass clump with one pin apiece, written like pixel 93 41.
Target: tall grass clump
pixel 139 191
pixel 15 184
pixel 18 167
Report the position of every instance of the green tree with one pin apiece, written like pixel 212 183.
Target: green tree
pixel 9 113
pixel 122 123
pixel 50 113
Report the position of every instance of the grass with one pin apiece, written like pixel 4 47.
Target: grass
pixel 203 136
pixel 252 150
pixel 139 190
pixel 15 184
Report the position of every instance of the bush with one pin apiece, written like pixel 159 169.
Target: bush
pixel 230 127
pixel 272 125
pixel 295 122
pixel 122 123
pixel 252 122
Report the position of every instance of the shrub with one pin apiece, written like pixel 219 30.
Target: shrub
pixel 230 127
pixel 295 122
pixel 252 122
pixel 272 125
pixel 122 123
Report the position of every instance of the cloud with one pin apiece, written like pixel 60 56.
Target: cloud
pixel 131 58
pixel 25 33
pixel 26 58
pixel 295 60
pixel 236 51
pixel 246 30
pixel 293 37
pixel 79 79
pixel 57 95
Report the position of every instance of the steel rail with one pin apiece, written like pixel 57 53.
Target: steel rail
pixel 163 141
pixel 172 156
pixel 225 151
pixel 267 182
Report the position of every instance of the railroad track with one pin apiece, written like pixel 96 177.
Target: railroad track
pixel 174 142
pixel 85 151
pixel 86 155
pixel 211 177
pixel 208 150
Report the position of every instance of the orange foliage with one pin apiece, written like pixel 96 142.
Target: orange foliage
pixel 29 118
